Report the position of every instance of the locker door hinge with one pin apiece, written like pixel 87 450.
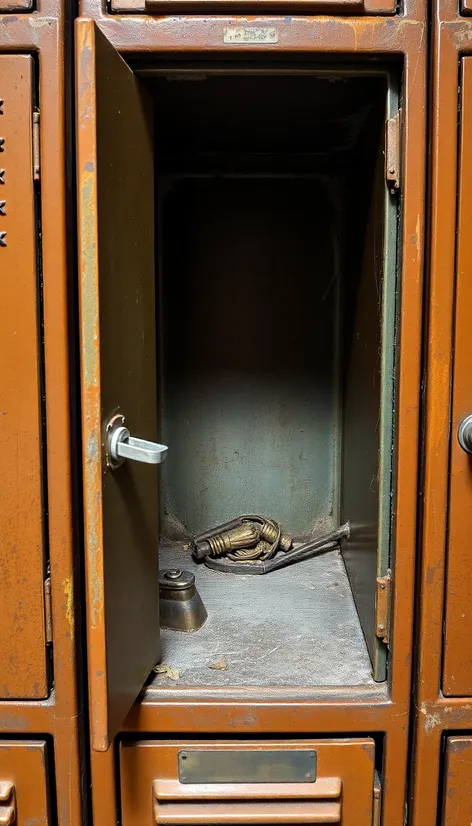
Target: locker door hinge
pixel 36 159
pixel 393 152
pixel 377 801
pixel 48 609
pixel 382 608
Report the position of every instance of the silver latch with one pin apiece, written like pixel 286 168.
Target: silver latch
pixel 464 434
pixel 120 445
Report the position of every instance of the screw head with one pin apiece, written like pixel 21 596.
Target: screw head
pixel 173 574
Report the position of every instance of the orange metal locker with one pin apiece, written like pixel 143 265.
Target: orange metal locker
pixel 457 665
pixel 444 678
pixel 23 570
pixel 116 230
pixel 38 687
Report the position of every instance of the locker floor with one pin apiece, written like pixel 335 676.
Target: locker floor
pixel 293 627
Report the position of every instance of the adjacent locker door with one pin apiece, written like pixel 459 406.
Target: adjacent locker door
pixel 118 368
pixel 23 655
pixel 457 669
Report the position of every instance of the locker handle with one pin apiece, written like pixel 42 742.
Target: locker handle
pixel 7 803
pixel 120 445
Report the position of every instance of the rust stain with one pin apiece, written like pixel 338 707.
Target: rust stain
pixel 431 572
pixel 90 335
pixel 464 33
pixel 247 720
pixel 69 612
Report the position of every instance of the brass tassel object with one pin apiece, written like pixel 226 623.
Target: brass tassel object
pixel 321 544
pixel 244 539
pixel 269 532
pixel 245 535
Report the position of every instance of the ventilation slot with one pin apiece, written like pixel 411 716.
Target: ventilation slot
pixel 176 803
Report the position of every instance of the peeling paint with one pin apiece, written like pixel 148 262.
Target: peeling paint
pixel 69 612
pixel 431 720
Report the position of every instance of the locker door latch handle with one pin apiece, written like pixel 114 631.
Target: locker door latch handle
pixel 120 445
pixel 464 434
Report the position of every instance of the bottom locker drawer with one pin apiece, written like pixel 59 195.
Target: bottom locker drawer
pixel 175 783
pixel 23 783
pixel 458 782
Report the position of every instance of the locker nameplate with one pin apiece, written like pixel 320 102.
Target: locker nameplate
pixel 247 766
pixel 250 34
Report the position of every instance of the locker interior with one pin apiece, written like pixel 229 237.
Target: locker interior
pixel 276 312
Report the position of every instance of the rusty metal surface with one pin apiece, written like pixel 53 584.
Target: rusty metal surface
pixel 338 710
pixel 24 792
pixel 452 37
pixel 380 7
pixel 118 366
pixel 22 629
pixel 44 34
pixel 393 152
pixel 217 6
pixel 149 780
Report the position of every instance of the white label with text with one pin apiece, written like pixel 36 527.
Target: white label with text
pixel 250 34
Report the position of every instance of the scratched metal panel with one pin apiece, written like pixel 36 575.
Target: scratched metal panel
pixel 247 766
pixel 22 626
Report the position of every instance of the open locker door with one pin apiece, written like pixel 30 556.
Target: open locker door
pixel 118 375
